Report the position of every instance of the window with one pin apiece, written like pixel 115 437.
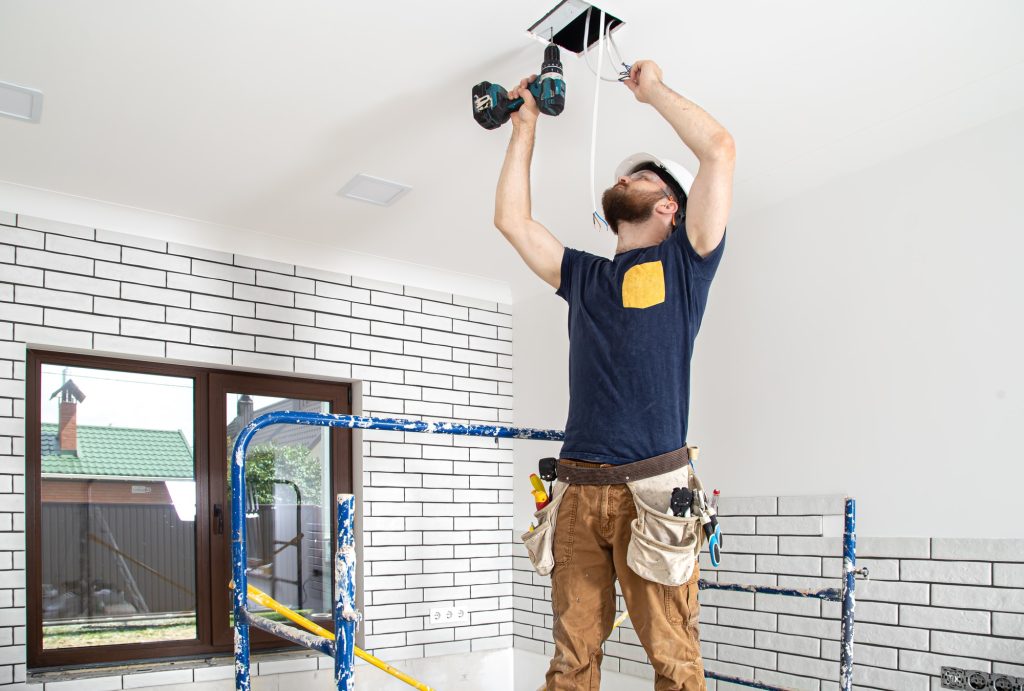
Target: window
pixel 129 521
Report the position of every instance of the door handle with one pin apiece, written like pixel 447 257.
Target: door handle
pixel 218 519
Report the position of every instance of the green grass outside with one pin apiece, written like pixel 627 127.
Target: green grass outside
pixel 121 632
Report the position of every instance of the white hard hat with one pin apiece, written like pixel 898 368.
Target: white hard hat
pixel 674 172
pixel 682 177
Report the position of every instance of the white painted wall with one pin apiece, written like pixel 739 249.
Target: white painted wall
pixel 865 338
pixel 540 356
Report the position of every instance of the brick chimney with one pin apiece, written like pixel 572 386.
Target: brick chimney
pixel 68 428
pixel 244 408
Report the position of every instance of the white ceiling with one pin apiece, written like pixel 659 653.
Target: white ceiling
pixel 254 114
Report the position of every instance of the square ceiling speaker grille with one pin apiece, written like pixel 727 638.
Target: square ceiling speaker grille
pixel 20 103
pixel 367 188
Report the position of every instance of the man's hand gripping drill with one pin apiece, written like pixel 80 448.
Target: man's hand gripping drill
pixel 493 106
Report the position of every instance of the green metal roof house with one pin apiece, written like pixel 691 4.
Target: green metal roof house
pixel 117 453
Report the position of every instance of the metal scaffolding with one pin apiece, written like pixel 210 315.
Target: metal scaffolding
pixel 342 647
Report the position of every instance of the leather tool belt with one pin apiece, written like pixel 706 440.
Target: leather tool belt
pixel 605 474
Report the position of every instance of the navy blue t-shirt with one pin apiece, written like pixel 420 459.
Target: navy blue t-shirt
pixel 632 324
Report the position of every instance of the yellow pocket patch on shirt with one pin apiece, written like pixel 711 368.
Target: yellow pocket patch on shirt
pixel 644 285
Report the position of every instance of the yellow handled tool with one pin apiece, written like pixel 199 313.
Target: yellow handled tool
pixel 540 496
pixel 261 598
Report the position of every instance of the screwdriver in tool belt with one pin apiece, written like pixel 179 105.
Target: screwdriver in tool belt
pixel 540 497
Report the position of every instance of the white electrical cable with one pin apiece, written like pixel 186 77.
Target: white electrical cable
pixel 586 45
pixel 618 56
pixel 593 131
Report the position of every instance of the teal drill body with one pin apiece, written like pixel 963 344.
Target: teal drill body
pixel 492 107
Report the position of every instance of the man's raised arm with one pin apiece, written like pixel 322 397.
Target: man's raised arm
pixel 710 197
pixel 513 216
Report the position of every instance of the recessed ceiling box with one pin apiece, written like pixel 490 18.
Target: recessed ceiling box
pixel 367 188
pixel 20 103
pixel 566 25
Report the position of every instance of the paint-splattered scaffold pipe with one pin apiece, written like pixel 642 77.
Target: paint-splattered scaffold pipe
pixel 395 425
pixel 345 592
pixel 345 615
pixel 849 603
pixel 743 682
pixel 831 594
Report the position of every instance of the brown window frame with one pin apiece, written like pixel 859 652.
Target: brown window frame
pixel 212 635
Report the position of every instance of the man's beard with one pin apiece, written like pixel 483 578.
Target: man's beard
pixel 630 206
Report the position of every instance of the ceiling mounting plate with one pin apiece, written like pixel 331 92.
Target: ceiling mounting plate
pixel 566 25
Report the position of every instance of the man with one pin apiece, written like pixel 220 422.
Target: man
pixel 632 324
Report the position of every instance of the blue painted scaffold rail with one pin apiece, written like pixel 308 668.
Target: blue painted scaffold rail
pixel 345 615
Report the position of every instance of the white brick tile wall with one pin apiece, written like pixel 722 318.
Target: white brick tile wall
pixel 63 244
pixel 284 314
pixel 28 295
pixel 132 274
pixel 894 547
pixel 321 275
pixel 154 257
pixel 223 271
pixel 80 284
pixel 965 572
pixel 927 663
pixel 929 603
pixel 972 597
pixel 789 525
pixel 437 525
pixel 55 227
pixel 321 304
pixel 876 677
pixel 984 647
pixel 22 238
pixel 438 513
pixel 126 241
pixel 1008 575
pixel 136 310
pixel 982 549
pixel 129 346
pixel 938 618
pixel 198 284
pixel 1009 625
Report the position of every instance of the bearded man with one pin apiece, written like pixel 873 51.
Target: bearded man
pixel 633 320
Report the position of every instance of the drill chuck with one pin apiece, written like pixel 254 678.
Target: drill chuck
pixel 552 60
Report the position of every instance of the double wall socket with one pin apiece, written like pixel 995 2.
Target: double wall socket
pixel 956 678
pixel 448 616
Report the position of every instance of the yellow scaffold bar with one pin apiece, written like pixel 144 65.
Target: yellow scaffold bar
pixel 261 598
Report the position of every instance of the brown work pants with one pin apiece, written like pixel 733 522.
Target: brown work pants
pixel 592 533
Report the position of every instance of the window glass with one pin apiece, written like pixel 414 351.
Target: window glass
pixel 118 506
pixel 288 507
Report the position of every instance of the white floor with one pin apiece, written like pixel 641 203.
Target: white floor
pixel 529 669
pixel 490 669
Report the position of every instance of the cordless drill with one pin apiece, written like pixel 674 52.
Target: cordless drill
pixel 492 107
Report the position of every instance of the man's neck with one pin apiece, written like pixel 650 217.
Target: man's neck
pixel 633 236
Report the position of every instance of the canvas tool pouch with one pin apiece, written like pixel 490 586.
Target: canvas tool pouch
pixel 539 542
pixel 662 548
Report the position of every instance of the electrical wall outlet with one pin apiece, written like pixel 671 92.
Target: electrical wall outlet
pixel 448 616
pixel 956 678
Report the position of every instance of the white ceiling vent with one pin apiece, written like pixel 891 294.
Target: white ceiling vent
pixel 367 188
pixel 20 103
